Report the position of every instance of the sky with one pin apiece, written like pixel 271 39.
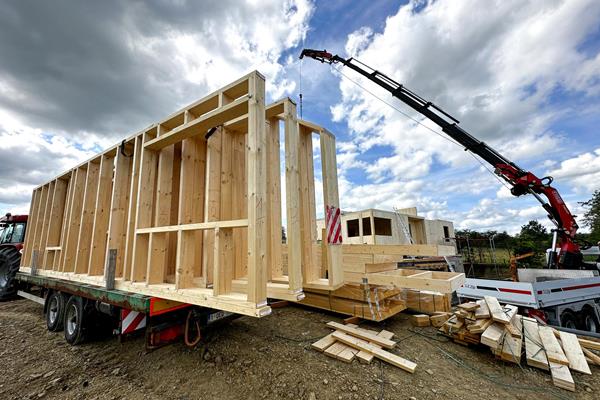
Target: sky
pixel 524 76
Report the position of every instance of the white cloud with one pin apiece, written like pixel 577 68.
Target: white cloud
pixel 581 172
pixel 495 69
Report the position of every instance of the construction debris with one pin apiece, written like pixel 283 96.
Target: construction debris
pixel 509 334
pixel 350 341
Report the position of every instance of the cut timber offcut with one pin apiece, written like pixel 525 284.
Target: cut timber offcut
pixel 377 352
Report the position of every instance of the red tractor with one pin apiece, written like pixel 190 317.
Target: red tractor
pixel 12 236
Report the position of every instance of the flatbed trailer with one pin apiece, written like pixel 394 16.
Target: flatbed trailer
pixel 571 303
pixel 162 321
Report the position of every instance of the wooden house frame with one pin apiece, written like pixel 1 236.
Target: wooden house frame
pixel 190 208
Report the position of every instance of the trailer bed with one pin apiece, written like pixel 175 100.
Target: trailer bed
pixel 534 295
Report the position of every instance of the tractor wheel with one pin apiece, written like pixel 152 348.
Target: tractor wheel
pixel 10 258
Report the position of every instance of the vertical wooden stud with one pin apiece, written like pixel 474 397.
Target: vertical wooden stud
pixel 84 241
pixel 257 192
pixel 100 228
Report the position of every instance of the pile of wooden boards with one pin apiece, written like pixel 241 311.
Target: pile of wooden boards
pixel 375 303
pixel 509 334
pixel 349 341
pixel 426 302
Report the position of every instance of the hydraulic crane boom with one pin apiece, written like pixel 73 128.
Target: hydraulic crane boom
pixel 521 181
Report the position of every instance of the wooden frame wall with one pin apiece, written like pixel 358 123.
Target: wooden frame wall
pixel 192 219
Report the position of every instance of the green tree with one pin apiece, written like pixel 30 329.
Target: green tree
pixel 533 237
pixel 591 217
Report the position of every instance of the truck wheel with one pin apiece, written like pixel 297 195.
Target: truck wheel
pixel 568 320
pixel 75 320
pixel 10 258
pixel 55 311
pixel 590 323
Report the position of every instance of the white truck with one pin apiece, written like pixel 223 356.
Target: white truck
pixel 565 298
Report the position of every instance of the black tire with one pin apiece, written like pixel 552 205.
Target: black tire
pixel 55 311
pixel 75 320
pixel 589 321
pixel 10 259
pixel 568 320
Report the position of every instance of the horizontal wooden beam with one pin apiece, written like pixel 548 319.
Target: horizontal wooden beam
pixel 236 223
pixel 202 124
pixel 443 282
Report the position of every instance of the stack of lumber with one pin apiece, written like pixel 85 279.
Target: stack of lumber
pixel 427 302
pixel 509 335
pixel 374 303
pixel 348 342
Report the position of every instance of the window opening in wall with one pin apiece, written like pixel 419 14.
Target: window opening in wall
pixel 383 226
pixel 352 226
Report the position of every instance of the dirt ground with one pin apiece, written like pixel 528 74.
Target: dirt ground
pixel 268 358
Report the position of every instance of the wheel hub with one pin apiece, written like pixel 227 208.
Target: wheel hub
pixel 72 320
pixel 53 310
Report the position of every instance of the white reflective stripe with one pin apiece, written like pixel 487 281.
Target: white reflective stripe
pixel 141 324
pixel 128 320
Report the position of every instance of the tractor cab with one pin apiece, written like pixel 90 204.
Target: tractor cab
pixel 12 230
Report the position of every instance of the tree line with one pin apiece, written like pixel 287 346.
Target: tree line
pixel 533 237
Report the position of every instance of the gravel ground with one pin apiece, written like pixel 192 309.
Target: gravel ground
pixel 268 358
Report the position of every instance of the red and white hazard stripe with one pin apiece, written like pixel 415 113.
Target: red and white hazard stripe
pixel 132 321
pixel 334 225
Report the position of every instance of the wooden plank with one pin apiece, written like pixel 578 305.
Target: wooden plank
pixel 534 349
pixel 310 271
pixel 102 213
pixel 274 222
pixel 159 242
pixel 202 124
pixel 132 213
pixel 554 351
pixel 84 243
pixel 362 335
pixel 492 337
pixel 292 196
pixel 335 272
pixel 512 346
pixel 420 320
pixel 335 349
pixel 191 210
pixel 224 268
pixel 496 310
pixel 574 354
pixel 257 192
pixel 323 343
pixel 483 312
pixel 145 208
pixel 70 245
pixel 470 306
pixel 117 225
pixel 377 352
pixel 442 282
pixel 365 356
pixel 212 210
pixel 561 376
pixel 438 320
pixel 65 223
pixel 593 357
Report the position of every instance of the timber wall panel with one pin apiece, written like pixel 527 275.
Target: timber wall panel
pixel 191 218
